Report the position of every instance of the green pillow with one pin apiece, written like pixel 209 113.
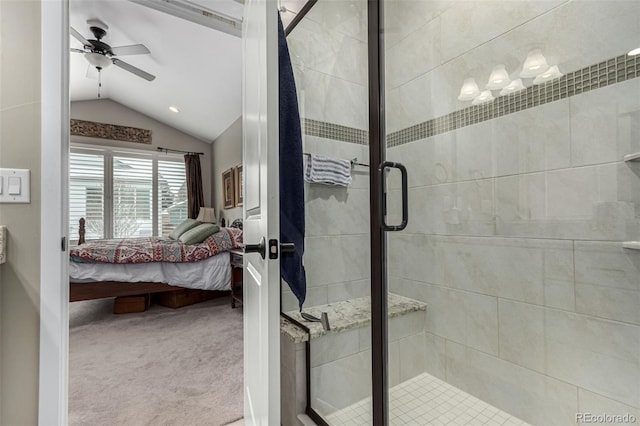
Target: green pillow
pixel 199 233
pixel 183 227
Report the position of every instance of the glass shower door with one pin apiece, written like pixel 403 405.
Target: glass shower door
pixel 513 291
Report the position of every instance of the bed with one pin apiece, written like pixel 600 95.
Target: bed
pixel 127 267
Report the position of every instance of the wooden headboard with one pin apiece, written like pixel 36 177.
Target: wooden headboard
pixel 81 231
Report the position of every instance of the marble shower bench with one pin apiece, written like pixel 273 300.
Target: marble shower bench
pixel 340 359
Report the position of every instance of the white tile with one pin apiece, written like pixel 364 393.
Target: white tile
pixel 533 140
pixel 348 290
pixel 598 355
pixel 406 325
pixel 336 211
pixel 604 123
pixel 414 55
pixel 412 356
pixel 531 396
pixel 593 403
pixel 522 334
pixel 464 317
pixel 329 348
pixel 341 383
pixel 335 259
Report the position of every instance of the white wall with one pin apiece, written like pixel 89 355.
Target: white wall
pixel 20 148
pixel 227 153
pixel 110 112
pixel 516 223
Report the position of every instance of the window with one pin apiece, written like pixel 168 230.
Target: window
pixel 124 194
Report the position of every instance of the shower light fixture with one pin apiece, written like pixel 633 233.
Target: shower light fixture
pixel 483 98
pixel 499 78
pixel 550 74
pixel 513 87
pixel 534 65
pixel 469 90
pixel 634 52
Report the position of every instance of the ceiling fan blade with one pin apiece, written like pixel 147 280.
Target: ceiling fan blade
pixel 132 69
pixel 79 37
pixel 92 72
pixel 132 49
pixel 77 50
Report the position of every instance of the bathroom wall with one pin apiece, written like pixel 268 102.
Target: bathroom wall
pixel 518 209
pixel 20 143
pixel 329 56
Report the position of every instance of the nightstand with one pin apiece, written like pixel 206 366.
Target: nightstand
pixel 236 276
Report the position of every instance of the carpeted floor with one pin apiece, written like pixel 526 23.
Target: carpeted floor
pixel 160 367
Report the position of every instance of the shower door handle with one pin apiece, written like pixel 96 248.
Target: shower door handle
pixel 383 196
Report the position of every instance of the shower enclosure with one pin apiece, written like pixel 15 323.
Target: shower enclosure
pixel 512 296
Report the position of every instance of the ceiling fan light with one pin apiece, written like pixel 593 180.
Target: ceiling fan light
pixel 97 60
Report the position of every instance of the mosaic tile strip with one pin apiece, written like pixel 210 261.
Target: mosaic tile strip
pixel 335 131
pixel 605 73
pixel 109 131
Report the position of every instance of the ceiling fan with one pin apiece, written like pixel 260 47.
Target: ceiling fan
pixel 100 55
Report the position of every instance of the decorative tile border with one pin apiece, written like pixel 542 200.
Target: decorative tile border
pixel 335 131
pixel 109 131
pixel 605 73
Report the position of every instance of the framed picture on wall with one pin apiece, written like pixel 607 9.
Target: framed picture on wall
pixel 228 189
pixel 238 185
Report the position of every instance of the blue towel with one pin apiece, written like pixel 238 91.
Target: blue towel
pixel 291 174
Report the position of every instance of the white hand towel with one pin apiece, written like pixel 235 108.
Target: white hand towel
pixel 327 170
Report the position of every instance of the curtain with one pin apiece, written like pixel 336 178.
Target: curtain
pixel 195 197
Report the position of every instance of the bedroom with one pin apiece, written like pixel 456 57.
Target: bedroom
pixel 130 189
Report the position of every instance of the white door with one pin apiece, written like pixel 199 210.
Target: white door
pixel 261 213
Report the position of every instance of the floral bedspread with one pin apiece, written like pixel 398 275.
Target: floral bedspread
pixel 155 249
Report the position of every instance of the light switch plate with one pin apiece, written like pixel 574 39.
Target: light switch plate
pixel 10 179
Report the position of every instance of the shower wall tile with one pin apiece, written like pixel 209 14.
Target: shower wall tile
pixel 598 355
pixel 435 357
pixel 529 395
pixel 590 402
pixel 324 97
pixel 348 291
pixel 331 210
pixel 590 203
pixel 605 124
pixel 339 384
pixel 467 25
pixel 406 325
pixel 412 257
pixel 332 347
pixel 348 17
pixel 533 140
pixel 522 334
pixel 317 47
pixel 403 17
pixel 464 317
pixel 336 259
pixel 412 356
pixel 414 55
pixel 517 269
pixel 607 281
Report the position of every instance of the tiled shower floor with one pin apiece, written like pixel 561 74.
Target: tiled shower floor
pixel 426 400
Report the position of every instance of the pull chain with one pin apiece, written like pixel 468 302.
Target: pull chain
pixel 99 79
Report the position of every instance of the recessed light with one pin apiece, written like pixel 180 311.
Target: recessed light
pixel 174 109
pixel 634 52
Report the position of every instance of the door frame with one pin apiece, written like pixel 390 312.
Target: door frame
pixel 54 276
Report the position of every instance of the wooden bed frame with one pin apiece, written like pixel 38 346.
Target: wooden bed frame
pixel 104 289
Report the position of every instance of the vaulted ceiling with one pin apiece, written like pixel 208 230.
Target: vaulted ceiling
pixel 198 69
